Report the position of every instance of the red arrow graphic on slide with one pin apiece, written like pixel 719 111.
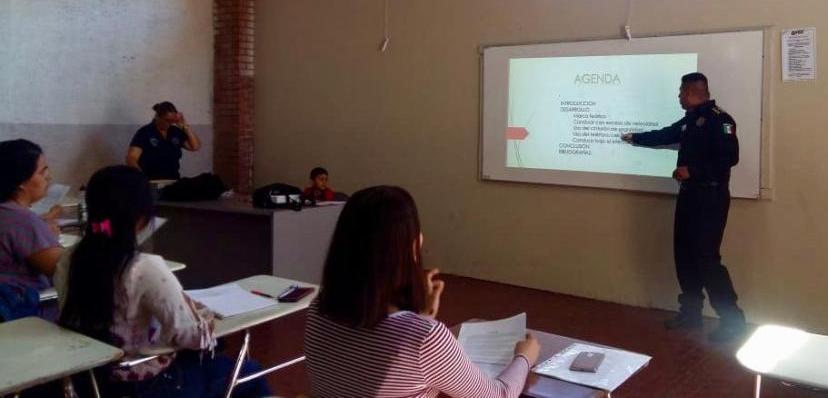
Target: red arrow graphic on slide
pixel 516 133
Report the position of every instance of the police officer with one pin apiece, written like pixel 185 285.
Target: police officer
pixel 708 148
pixel 156 148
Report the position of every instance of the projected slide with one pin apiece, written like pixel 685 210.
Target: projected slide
pixel 568 113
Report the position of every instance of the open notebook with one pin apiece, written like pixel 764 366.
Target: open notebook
pixel 229 300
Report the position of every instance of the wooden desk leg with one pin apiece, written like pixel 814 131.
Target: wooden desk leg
pixel 757 388
pixel 231 384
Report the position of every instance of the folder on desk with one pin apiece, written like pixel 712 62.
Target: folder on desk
pixel 617 367
pixel 230 300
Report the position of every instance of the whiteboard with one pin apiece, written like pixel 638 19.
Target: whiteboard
pixel 732 61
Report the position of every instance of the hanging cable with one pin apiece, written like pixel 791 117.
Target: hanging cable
pixel 384 44
pixel 628 25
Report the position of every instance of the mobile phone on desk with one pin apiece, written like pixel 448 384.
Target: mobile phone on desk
pixel 294 294
pixel 587 362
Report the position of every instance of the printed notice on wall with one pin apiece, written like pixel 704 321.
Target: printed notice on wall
pixel 799 54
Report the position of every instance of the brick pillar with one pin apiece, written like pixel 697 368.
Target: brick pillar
pixel 233 68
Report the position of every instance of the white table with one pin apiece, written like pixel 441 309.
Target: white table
pixel 267 284
pixel 253 241
pixel 51 293
pixel 36 351
pixel 786 354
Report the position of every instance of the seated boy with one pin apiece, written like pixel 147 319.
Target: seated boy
pixel 319 190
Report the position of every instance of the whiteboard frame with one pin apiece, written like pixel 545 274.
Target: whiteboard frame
pixel 755 188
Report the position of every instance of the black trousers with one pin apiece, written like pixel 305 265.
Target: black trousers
pixel 701 216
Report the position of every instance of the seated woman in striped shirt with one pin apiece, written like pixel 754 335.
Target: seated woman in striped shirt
pixel 372 331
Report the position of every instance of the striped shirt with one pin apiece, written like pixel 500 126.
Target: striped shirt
pixel 406 355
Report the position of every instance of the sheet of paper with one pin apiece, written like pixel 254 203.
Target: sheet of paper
pixel 617 367
pixel 492 342
pixel 68 240
pixel 799 54
pixel 62 222
pixel 54 195
pixel 230 299
pixel 147 232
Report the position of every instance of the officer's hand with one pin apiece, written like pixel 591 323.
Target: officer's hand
pixel 628 138
pixel 681 173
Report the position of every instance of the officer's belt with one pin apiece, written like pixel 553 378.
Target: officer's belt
pixel 700 184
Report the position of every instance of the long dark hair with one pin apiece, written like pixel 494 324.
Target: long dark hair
pixel 373 261
pixel 120 197
pixel 18 163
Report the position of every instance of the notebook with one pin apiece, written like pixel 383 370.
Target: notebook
pixel 230 300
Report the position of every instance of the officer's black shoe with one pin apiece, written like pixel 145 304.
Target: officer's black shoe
pixel 729 329
pixel 684 320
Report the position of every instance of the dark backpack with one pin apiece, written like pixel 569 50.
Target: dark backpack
pixel 278 196
pixel 18 301
pixel 204 186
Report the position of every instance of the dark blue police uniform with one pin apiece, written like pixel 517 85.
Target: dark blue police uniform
pixel 708 148
pixel 159 156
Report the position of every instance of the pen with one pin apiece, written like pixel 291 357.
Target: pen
pixel 258 293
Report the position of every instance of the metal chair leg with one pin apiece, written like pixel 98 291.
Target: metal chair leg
pixel 757 388
pixel 231 384
pixel 95 390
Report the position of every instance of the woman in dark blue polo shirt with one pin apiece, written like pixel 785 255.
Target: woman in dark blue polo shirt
pixel 156 148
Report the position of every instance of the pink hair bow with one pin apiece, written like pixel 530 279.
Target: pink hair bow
pixel 103 227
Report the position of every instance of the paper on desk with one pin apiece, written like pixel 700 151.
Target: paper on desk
pixel 54 195
pixel 322 203
pixel 492 342
pixel 146 233
pixel 62 222
pixel 617 367
pixel 229 300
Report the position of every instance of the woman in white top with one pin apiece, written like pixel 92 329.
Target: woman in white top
pixel 132 300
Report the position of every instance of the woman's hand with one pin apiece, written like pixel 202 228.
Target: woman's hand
pixel 193 143
pixel 529 348
pixel 434 289
pixel 53 213
pixel 182 122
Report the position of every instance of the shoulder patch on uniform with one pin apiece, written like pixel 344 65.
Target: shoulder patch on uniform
pixel 728 128
pixel 700 121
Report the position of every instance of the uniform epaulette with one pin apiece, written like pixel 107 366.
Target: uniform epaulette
pixel 717 110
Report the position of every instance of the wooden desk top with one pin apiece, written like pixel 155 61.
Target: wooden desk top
pixel 36 351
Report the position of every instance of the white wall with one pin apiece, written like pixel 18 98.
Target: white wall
pixel 79 77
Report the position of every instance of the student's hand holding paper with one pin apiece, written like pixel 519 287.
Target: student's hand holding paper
pixel 51 219
pixel 52 214
pixel 529 348
pixel 434 289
